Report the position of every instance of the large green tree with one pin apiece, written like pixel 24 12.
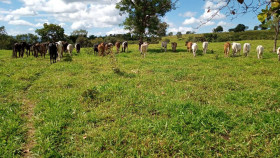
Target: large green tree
pixel 51 32
pixel 270 17
pixel 144 15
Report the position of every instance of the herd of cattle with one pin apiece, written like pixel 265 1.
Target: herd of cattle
pixel 56 49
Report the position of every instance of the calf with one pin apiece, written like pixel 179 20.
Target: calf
pixel 164 46
pixel 189 46
pixel 246 49
pixel 236 48
pixel 194 49
pixel 53 52
pixel 118 45
pixel 101 49
pixel 144 49
pixel 95 49
pixel 278 53
pixel 226 48
pixel 70 49
pixel 59 45
pixel 174 45
pixel 124 46
pixel 108 48
pixel 260 50
pixel 78 47
pixel 205 47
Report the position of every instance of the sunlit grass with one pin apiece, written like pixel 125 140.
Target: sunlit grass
pixel 167 104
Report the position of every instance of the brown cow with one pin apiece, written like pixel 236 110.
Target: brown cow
pixel 189 46
pixel 101 49
pixel 226 48
pixel 118 45
pixel 174 45
pixel 108 48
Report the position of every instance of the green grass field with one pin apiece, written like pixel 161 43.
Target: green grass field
pixel 166 105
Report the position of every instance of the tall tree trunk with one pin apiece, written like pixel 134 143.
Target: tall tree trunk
pixel 276 36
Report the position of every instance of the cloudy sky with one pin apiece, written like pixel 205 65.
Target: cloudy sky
pixel 99 17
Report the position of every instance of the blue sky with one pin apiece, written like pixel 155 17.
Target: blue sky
pixel 99 17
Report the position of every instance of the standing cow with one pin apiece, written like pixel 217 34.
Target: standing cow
pixel 95 49
pixel 78 47
pixel 236 48
pixel 118 45
pixel 70 49
pixel 59 45
pixel 124 46
pixel 53 52
pixel 144 49
pixel 246 49
pixel 205 47
pixel 174 45
pixel 226 49
pixel 189 46
pixel 260 50
pixel 194 49
pixel 164 46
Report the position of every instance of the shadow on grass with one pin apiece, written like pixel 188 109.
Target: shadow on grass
pixel 123 74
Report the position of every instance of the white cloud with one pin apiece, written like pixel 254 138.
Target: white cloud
pixel 24 11
pixel 191 21
pixel 116 30
pixel 6 1
pixel 188 14
pixel 20 22
pixel 180 29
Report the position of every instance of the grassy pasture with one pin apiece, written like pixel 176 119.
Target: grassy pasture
pixel 166 105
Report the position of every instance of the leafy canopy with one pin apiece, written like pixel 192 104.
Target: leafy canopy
pixel 51 32
pixel 144 15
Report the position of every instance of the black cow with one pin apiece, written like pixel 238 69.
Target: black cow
pixel 19 48
pixel 95 48
pixel 53 52
pixel 78 47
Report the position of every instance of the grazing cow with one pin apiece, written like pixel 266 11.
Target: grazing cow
pixel 108 48
pixel 53 52
pixel 44 48
pixel 246 49
pixel 36 48
pixel 226 48
pixel 118 45
pixel 194 49
pixel 144 49
pixel 164 46
pixel 78 47
pixel 95 49
pixel 32 49
pixel 260 50
pixel 236 48
pixel 101 49
pixel 59 46
pixel 17 50
pixel 278 53
pixel 139 44
pixel 124 46
pixel 70 49
pixel 174 45
pixel 28 49
pixel 205 47
pixel 65 44
pixel 189 46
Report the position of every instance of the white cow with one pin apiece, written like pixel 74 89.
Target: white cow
pixel 144 49
pixel 260 50
pixel 194 49
pixel 236 48
pixel 278 53
pixel 59 46
pixel 205 46
pixel 246 49
pixel 70 49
